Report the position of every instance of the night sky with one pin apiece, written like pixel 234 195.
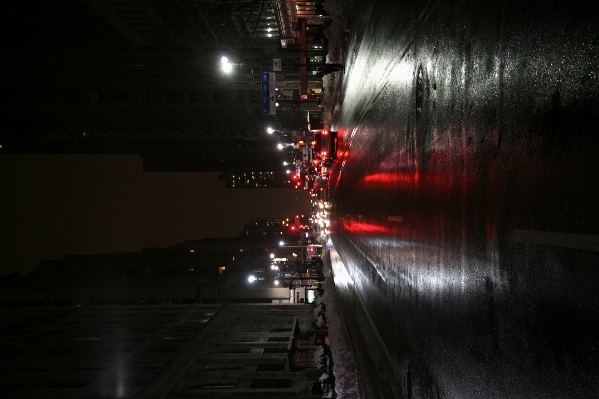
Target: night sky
pixel 56 205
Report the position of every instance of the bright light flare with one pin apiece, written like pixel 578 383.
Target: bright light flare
pixel 227 68
pixel 251 279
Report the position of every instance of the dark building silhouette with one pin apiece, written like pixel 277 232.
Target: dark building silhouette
pixel 131 77
pixel 178 274
pixel 258 179
pixel 176 322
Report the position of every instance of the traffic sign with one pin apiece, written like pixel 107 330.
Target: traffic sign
pixel 269 99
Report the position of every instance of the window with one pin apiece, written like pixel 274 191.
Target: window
pixel 271 367
pixel 190 97
pixel 214 386
pixel 282 383
pixel 275 350
pixel 237 350
pixel 167 97
pixel 236 96
pixel 212 97
pixel 94 97
pixel 278 339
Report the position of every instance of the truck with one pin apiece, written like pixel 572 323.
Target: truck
pixel 326 146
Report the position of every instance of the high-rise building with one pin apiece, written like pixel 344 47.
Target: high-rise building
pixel 144 77
pixel 258 179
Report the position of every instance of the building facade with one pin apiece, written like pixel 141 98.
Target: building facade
pixel 144 77
pixel 168 351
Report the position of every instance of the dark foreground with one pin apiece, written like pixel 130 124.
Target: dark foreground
pixel 464 197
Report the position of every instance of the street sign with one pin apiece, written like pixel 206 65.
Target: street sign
pixel 269 103
pixel 276 65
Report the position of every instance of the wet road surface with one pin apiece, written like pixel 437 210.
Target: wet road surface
pixel 465 195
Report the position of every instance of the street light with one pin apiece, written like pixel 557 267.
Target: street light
pixel 228 66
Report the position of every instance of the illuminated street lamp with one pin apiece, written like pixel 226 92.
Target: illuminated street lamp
pixel 228 66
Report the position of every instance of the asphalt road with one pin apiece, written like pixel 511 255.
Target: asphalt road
pixel 465 196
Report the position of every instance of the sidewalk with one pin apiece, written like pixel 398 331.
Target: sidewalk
pixel 365 368
pixel 347 384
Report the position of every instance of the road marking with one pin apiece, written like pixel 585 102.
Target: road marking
pixel 585 242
